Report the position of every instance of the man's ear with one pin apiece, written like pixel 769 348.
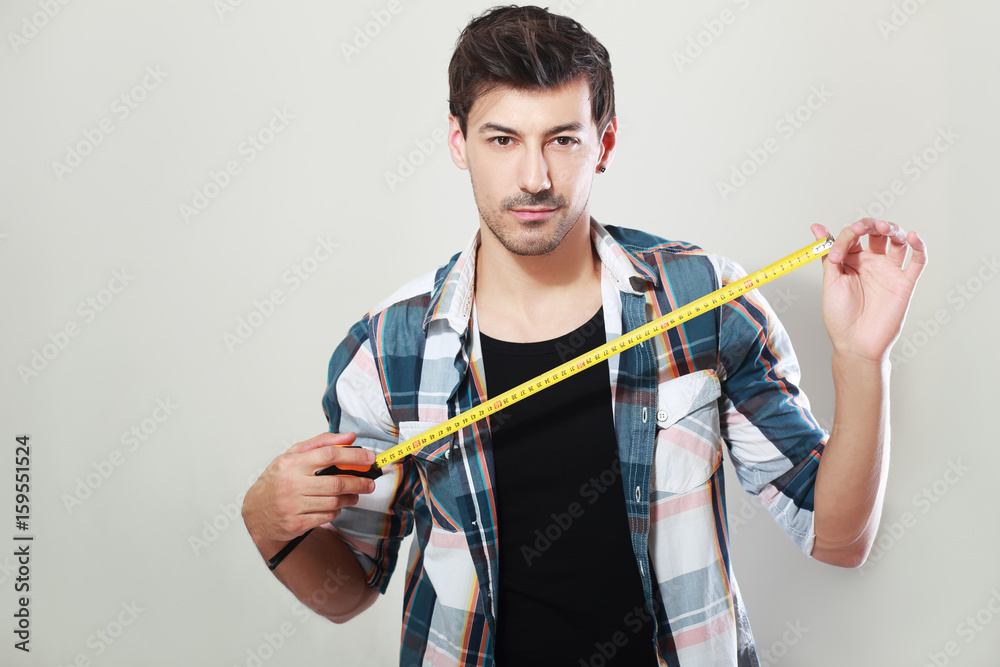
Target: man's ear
pixel 456 143
pixel 608 142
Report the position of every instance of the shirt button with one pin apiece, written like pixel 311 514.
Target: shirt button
pixel 661 415
pixel 638 494
pixel 645 415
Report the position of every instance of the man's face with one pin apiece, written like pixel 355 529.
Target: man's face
pixel 532 156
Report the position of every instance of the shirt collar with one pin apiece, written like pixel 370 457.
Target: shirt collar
pixel 455 289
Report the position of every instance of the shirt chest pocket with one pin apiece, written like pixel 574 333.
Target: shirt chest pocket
pixel 688 442
pixel 432 466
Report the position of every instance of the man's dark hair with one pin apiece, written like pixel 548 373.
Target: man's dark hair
pixel 530 49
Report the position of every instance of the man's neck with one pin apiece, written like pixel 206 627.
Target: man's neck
pixel 526 299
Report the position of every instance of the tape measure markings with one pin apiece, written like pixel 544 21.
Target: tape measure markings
pixel 664 323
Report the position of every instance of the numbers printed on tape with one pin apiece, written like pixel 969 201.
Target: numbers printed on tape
pixel 668 321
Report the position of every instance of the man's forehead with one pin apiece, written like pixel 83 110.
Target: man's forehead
pixel 564 106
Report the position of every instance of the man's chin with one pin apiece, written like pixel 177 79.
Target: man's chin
pixel 530 245
pixel 529 238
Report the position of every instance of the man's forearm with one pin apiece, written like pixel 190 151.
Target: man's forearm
pixel 323 573
pixel 852 473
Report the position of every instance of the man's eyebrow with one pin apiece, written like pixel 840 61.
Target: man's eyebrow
pixel 568 127
pixel 486 128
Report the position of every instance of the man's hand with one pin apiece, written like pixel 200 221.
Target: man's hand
pixel 865 297
pixel 288 498
pixel 866 292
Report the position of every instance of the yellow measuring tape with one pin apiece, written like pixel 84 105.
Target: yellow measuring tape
pixel 717 298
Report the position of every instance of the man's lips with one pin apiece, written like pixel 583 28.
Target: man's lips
pixel 528 214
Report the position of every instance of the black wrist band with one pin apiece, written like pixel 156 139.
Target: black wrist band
pixel 285 550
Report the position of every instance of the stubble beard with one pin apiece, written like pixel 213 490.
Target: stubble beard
pixel 530 239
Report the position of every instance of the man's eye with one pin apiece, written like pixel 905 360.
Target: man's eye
pixel 501 141
pixel 565 141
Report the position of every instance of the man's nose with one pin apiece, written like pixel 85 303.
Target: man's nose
pixel 533 173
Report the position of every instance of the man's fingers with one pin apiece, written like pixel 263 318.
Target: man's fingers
pixel 892 231
pixel 897 248
pixel 888 238
pixel 326 486
pixel 308 510
pixel 820 232
pixel 296 503
pixel 326 456
pixel 877 243
pixel 322 440
pixel 848 241
pixel 918 260
pixel 289 498
pixel 301 523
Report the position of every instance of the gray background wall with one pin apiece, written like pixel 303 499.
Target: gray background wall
pixel 117 300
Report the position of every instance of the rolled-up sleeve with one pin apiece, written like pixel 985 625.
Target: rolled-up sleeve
pixel 354 402
pixel 774 441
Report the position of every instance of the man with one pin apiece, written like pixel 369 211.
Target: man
pixel 584 525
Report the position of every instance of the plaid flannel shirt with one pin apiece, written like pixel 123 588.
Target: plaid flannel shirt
pixel 726 378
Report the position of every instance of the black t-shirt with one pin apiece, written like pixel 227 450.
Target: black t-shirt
pixel 569 591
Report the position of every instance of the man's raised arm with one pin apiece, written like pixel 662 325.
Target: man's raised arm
pixel 866 293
